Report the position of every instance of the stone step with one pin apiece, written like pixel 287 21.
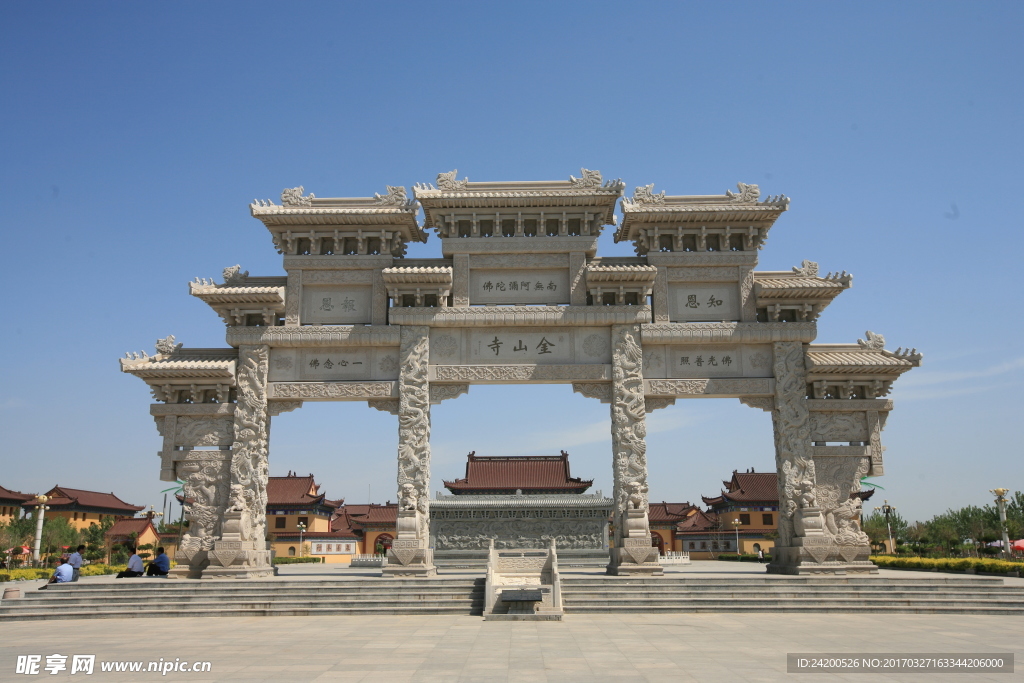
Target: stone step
pixel 379 596
pixel 220 610
pixel 241 591
pixel 753 580
pixel 968 608
pixel 787 593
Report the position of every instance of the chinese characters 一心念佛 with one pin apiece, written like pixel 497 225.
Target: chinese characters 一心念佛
pixel 518 286
pixel 328 363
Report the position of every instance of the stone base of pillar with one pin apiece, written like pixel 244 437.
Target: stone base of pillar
pixel 636 557
pixel 410 558
pixel 189 565
pixel 821 556
pixel 233 559
pixel 190 560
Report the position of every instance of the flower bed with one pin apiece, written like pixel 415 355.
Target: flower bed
pixel 953 564
pixel 24 574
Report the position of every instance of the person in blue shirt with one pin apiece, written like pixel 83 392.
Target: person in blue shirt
pixel 62 574
pixel 159 566
pixel 75 560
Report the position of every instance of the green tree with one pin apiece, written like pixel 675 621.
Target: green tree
pixel 93 537
pixel 57 533
pixel 14 534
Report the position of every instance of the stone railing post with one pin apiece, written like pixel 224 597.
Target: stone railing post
pixel 410 553
pixel 633 552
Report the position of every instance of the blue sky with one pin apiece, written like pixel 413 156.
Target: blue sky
pixel 133 136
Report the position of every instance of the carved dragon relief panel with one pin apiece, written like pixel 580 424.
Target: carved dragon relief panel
pixel 249 466
pixel 414 426
pixel 206 476
pixel 838 426
pixel 793 459
pixel 198 432
pixel 629 426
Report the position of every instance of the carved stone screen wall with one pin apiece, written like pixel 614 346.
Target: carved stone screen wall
pixel 519 295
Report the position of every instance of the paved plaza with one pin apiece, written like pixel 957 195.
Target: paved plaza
pixel 595 648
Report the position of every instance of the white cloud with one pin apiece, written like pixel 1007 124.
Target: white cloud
pixel 922 377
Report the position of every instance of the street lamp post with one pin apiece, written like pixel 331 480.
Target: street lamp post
pixel 302 530
pixel 736 525
pixel 887 510
pixel 1001 504
pixel 40 512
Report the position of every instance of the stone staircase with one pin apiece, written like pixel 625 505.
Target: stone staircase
pixel 941 595
pixel 595 594
pixel 167 598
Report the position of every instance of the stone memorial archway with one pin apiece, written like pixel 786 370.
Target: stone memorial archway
pixel 520 296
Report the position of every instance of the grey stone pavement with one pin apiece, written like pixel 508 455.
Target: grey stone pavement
pixel 591 648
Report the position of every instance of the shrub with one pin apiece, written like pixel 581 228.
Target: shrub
pixel 295 560
pixel 100 569
pixel 732 557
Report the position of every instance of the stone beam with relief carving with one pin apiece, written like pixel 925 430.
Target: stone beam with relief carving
pixel 695 388
pixel 489 316
pixel 735 332
pixel 316 336
pixel 332 391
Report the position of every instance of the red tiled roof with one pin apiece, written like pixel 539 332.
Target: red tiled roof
pixel 126 527
pixel 669 512
pixel 294 490
pixel 356 516
pixel 9 495
pixel 495 474
pixel 700 522
pixel 62 495
pixel 748 487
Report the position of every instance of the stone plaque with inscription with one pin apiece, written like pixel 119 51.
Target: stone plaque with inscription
pixel 533 286
pixel 704 301
pixel 337 305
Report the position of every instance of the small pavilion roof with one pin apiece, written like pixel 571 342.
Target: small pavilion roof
pixel 507 474
pixel 182 363
pixel 62 496
pixel 590 191
pixel 393 210
pixel 735 209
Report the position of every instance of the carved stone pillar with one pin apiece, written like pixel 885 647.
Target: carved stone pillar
pixel 206 476
pixel 819 523
pixel 410 553
pixel 242 550
pixel 632 552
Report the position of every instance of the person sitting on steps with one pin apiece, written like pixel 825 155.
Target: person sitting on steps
pixel 134 566
pixel 160 566
pixel 62 574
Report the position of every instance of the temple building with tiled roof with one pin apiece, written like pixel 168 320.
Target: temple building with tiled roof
pixel 664 518
pixel 298 513
pixel 11 503
pixel 525 475
pixel 83 508
pixel 519 502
